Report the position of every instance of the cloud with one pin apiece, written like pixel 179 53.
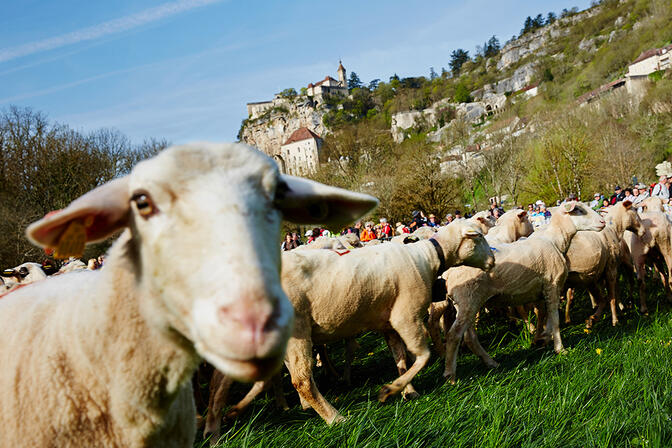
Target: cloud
pixel 103 29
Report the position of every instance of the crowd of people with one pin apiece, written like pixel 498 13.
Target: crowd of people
pixel 538 213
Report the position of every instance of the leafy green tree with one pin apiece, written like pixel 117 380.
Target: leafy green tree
pixel 374 84
pixel 432 74
pixel 288 93
pixel 462 94
pixel 354 82
pixel 457 59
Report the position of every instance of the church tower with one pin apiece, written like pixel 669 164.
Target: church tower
pixel 341 75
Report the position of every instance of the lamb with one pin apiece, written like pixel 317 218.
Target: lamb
pixel 655 245
pixel 389 290
pixel 524 270
pixel 595 256
pixel 108 354
pixel 510 227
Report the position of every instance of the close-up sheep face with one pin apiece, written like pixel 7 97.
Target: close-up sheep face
pixel 203 224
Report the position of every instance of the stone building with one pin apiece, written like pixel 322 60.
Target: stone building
pixel 300 154
pixel 328 86
pixel 648 62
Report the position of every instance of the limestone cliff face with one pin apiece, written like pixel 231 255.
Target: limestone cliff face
pixel 272 128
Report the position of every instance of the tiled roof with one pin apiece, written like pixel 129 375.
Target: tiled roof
pixel 593 93
pixel 301 134
pixel 327 78
pixel 653 52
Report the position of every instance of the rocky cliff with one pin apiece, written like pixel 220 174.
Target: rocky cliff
pixel 270 130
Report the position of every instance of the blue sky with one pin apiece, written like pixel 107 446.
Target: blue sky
pixel 183 70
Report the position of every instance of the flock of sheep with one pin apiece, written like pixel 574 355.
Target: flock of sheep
pixel 106 357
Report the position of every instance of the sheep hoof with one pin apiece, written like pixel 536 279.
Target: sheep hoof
pixel 410 396
pixel 561 351
pixel 384 393
pixel 590 321
pixel 337 419
pixel 492 364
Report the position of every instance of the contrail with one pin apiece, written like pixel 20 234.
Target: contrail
pixel 103 29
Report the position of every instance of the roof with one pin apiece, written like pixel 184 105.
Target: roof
pixel 340 66
pixel 301 134
pixel 652 52
pixel 327 78
pixel 593 93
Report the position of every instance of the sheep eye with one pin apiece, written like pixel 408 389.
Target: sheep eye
pixel 144 204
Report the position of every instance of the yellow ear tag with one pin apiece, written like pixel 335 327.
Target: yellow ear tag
pixel 71 243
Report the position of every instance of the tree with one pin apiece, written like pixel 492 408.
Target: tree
pixel 491 47
pixel 354 82
pixel 432 74
pixel 374 84
pixel 527 26
pixel 457 59
pixel 551 18
pixel 288 93
pixel 462 94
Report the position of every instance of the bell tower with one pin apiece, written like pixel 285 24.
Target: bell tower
pixel 341 75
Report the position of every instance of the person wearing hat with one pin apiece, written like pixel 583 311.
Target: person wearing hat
pixel 595 203
pixel 432 222
pixel 639 193
pixel 661 190
pixel 617 196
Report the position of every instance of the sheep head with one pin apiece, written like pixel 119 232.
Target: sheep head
pixel 204 223
pixel 463 244
pixel 581 216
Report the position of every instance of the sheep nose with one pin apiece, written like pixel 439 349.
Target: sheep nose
pixel 247 324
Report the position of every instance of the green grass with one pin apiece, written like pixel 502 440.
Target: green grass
pixel 619 397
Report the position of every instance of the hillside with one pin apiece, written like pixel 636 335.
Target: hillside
pixel 505 122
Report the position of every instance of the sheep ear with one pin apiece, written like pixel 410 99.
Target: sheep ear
pixel 304 201
pixel 482 219
pixel 627 204
pixel 95 216
pixel 569 206
pixel 522 214
pixel 471 232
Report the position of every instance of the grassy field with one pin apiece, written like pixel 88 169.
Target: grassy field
pixel 611 389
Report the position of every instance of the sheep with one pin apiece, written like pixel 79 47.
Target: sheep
pixel 523 271
pixel 73 264
pixel 595 256
pixel 343 242
pixel 511 226
pixel 388 290
pixel 655 245
pixel 108 354
pixel 24 274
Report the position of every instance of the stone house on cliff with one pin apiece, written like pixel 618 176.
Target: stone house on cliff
pixel 300 154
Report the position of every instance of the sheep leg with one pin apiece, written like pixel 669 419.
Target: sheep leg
pixel 239 407
pixel 525 317
pixel 412 333
pixel 471 339
pixel 220 385
pixel 398 349
pixel 453 339
pixel 350 346
pixel 539 335
pixel 594 291
pixel 300 364
pixel 570 299
pixel 664 277
pixel 553 317
pixel 326 361
pixel 612 292
pixel 641 278
pixel 436 311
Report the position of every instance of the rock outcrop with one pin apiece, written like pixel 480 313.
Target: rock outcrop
pixel 270 130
